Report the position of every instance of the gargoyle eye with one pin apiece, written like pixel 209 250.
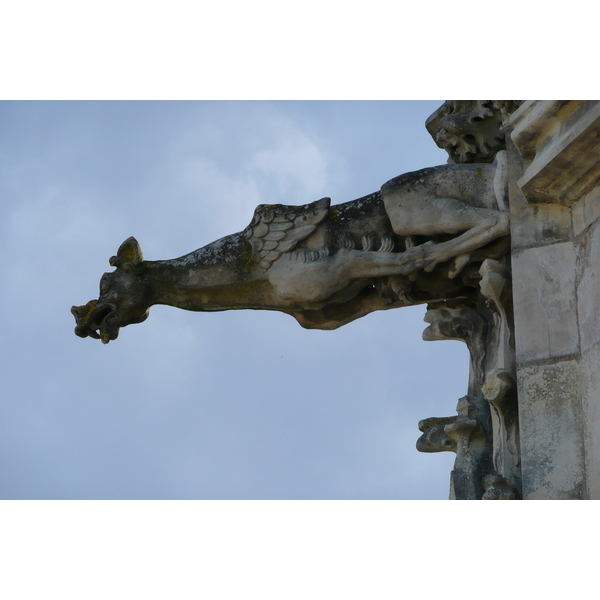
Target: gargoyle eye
pixel 104 287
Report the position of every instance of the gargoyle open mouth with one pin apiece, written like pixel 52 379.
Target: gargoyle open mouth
pixel 93 320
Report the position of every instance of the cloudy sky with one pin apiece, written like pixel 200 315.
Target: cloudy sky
pixel 230 405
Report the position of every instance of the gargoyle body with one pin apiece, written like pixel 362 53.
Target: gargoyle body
pixel 411 242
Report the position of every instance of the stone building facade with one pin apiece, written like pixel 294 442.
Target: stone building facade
pixel 554 191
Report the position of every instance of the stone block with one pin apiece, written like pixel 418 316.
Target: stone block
pixel 588 289
pixel 586 211
pixel 590 393
pixel 545 302
pixel 540 224
pixel 552 433
pixel 533 224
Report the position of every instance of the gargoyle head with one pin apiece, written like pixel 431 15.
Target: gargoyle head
pixel 471 131
pixel 123 297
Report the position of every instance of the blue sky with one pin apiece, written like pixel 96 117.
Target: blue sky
pixel 231 405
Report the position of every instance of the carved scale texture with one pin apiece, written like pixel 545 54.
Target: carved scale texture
pixel 276 229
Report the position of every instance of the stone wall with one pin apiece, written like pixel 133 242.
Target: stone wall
pixel 554 163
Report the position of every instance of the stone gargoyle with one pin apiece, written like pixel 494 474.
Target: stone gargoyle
pixel 325 265
pixel 411 242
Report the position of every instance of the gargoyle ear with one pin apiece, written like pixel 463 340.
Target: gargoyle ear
pixel 129 252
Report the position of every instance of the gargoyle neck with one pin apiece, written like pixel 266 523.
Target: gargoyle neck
pixel 206 278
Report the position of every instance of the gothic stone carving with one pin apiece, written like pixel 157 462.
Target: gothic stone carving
pixel 435 438
pixel 499 488
pixel 487 464
pixel 321 264
pixel 471 429
pixel 471 131
pixel 489 445
pixel 424 237
pixel 469 436
pixel 500 390
pixel 499 386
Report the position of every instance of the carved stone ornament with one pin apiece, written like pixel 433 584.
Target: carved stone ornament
pixel 471 131
pixel 422 238
pixel 499 488
pixel 559 141
pixel 471 432
pixel 435 437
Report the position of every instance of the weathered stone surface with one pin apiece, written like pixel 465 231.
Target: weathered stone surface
pixel 499 488
pixel 495 285
pixel 500 390
pixel 544 302
pixel 539 225
pixel 552 432
pixel 590 393
pixel 435 438
pixel 555 213
pixel 588 289
pixel 533 225
pixel 561 141
pixel 586 211
pixel 471 431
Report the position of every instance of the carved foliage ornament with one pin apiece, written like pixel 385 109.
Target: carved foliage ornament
pixel 471 131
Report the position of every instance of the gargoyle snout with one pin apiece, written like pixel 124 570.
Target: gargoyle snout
pixel 91 320
pixel 82 316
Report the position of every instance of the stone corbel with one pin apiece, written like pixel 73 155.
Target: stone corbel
pixel 560 141
pixel 466 434
pixel 463 324
pixel 435 438
pixel 471 434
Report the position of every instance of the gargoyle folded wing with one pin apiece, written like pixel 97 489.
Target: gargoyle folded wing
pixel 276 229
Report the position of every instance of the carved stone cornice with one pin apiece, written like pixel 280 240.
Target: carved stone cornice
pixel 560 139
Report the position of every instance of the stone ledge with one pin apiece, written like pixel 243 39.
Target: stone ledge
pixel 561 139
